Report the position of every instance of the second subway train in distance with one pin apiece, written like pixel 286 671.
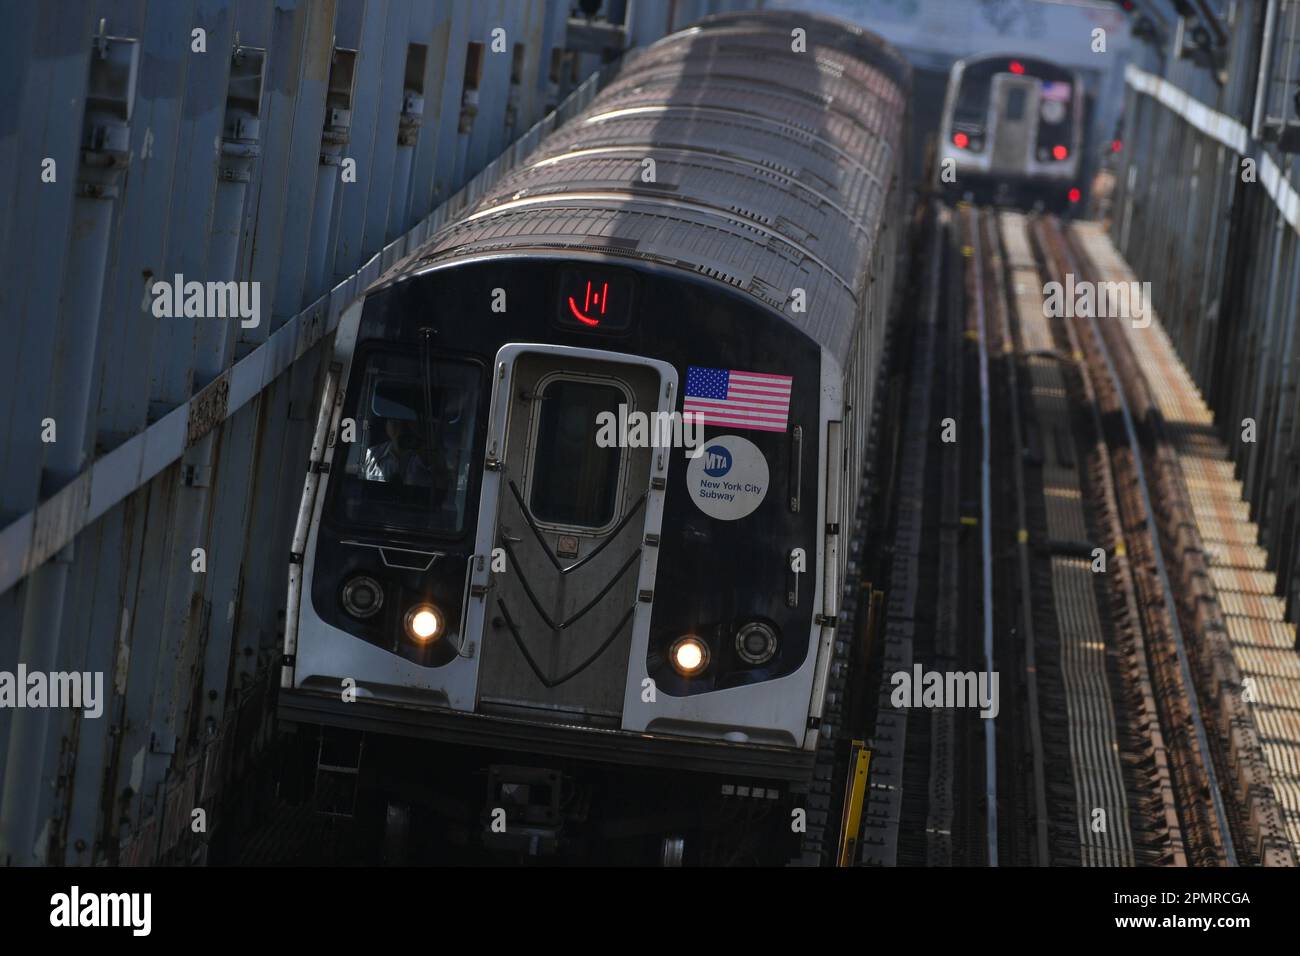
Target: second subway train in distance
pixel 615 643
pixel 1013 130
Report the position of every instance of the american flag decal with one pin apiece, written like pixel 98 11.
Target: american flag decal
pixel 721 396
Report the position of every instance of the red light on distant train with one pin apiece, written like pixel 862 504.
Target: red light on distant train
pixel 1116 145
pixel 960 140
pixel 1016 67
pixel 1060 152
pixel 1074 195
pixel 595 298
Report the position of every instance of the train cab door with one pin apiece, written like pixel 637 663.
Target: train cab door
pixel 572 523
pixel 1014 103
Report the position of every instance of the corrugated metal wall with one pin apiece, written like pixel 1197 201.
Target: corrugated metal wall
pixel 142 140
pixel 1218 241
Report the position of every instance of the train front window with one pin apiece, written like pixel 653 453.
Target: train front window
pixel 574 481
pixel 1015 104
pixel 971 110
pixel 409 466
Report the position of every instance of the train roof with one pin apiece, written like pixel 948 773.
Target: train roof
pixel 771 168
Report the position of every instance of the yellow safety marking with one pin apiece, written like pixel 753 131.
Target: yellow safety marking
pixel 968 251
pixel 1022 535
pixel 855 790
pixel 968 520
pixel 1120 550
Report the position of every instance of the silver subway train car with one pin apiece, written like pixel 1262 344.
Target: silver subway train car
pixel 574 536
pixel 1012 131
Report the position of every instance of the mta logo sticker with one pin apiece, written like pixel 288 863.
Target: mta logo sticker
pixel 729 479
pixel 717 461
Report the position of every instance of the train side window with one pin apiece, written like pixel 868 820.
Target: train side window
pixel 574 481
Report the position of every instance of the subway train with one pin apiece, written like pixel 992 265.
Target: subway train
pixel 1012 132
pixel 570 557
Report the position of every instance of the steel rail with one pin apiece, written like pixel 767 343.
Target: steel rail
pixel 986 545
pixel 1069 596
pixel 1164 759
pixel 1002 287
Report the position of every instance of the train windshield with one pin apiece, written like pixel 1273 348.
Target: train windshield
pixel 409 467
pixel 971 110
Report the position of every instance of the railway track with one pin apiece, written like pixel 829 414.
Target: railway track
pixel 1202 806
pixel 1236 638
pixel 1120 806
pixel 1055 544
pixel 1047 526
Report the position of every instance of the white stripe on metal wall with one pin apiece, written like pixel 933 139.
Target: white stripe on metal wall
pixel 1223 129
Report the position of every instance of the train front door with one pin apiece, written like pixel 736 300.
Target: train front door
pixel 1014 121
pixel 574 505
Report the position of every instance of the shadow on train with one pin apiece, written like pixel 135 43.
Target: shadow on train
pixel 777 177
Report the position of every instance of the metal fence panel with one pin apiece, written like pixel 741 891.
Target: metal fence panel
pixel 148 543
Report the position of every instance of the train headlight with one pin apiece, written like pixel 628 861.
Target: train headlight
pixel 756 642
pixel 362 596
pixel 689 655
pixel 423 623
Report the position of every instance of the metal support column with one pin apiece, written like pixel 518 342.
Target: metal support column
pixel 105 153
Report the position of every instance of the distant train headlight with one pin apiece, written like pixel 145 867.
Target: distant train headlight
pixel 423 623
pixel 363 596
pixel 689 655
pixel 756 642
